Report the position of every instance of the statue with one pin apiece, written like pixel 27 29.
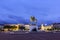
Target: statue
pixel 33 26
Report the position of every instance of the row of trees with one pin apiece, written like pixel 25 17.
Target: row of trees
pixel 54 28
pixel 8 26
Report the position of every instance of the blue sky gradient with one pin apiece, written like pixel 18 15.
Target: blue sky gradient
pixel 18 11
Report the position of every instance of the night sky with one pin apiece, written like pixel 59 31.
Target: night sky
pixel 19 11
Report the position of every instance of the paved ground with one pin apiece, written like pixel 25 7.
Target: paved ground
pixel 30 36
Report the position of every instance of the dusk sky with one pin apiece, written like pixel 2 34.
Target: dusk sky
pixel 17 11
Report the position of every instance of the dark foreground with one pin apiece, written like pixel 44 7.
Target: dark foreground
pixel 31 36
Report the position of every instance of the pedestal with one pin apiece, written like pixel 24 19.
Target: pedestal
pixel 33 28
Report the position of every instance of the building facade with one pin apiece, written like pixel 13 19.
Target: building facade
pixel 45 28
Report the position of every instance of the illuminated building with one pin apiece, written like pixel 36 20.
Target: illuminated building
pixel 27 27
pixel 45 28
pixel 16 28
pixel 11 27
